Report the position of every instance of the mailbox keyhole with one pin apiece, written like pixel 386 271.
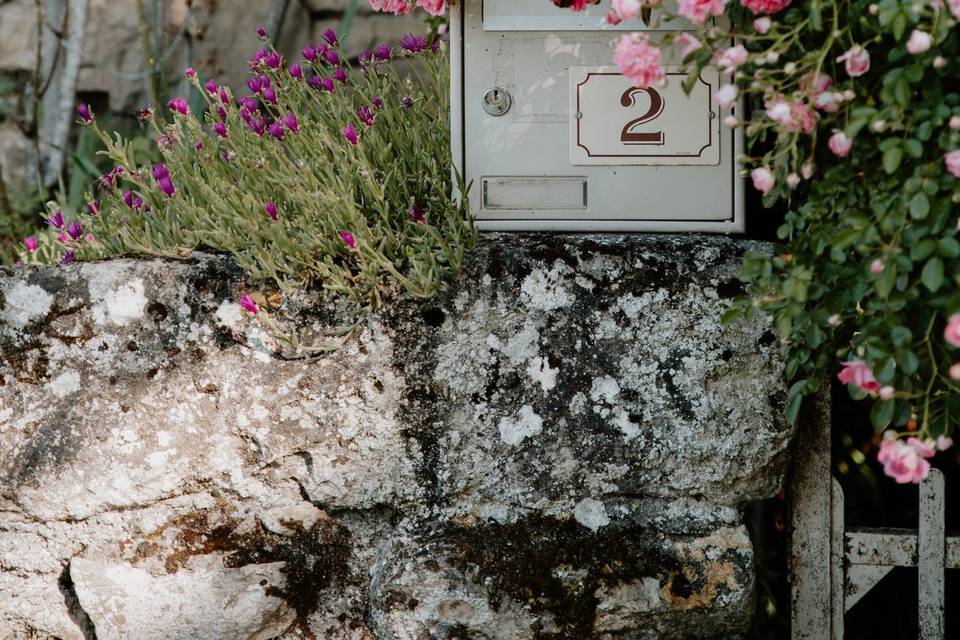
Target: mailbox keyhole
pixel 497 101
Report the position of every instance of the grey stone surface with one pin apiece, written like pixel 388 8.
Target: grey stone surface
pixel 557 447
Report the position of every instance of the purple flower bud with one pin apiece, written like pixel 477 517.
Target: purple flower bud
pixel 261 33
pixel 220 129
pixel 310 53
pixel 314 82
pixel 145 114
pixel 191 72
pixel 296 71
pixel 382 52
pixel 416 214
pixel 75 229
pixel 270 95
pixel 83 110
pixel 273 60
pixel 30 242
pixel 407 102
pixel 332 57
pixel 377 102
pixel 276 130
pixel 290 122
pixel 271 209
pixel 341 75
pixel 350 133
pixel 348 239
pixel 221 113
pixel 224 95
pixel 166 185
pixel 56 220
pixel 138 204
pixel 365 115
pixel 249 104
pixel 108 179
pixel 211 86
pixel 68 257
pixel 331 37
pixel 179 105
pixel 327 84
pixel 128 198
pixel 412 43
pixel 254 84
pixel 365 57
pixel 198 145
pixel 160 171
pixel 164 141
pixel 93 208
pixel 248 304
pixel 227 155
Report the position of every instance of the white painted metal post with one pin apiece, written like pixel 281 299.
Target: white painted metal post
pixel 931 557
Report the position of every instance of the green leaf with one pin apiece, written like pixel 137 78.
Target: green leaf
pixel 899 26
pixel 886 280
pixel 846 238
pixel 913 147
pixel 949 247
pixel 919 206
pixel 901 336
pixel 932 275
pixel 882 414
pixel 923 249
pixel 892 158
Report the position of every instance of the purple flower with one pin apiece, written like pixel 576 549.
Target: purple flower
pixel 191 72
pixel 327 84
pixel 108 179
pixel 255 84
pixel 296 71
pixel 75 229
pixel 249 104
pixel 273 60
pixel 416 214
pixel 365 115
pixel 179 105
pixel 314 82
pixel 332 57
pixel 93 208
pixel 145 114
pixel 138 203
pixel 83 110
pixel 257 125
pixel 128 198
pixel 331 37
pixel 290 122
pixel 30 242
pixel 261 33
pixel 377 103
pixel 407 102
pixel 211 86
pixel 248 304
pixel 350 133
pixel 365 57
pixel 166 185
pixel 341 75
pixel 270 95
pixel 160 171
pixel 310 53
pixel 220 129
pixel 348 239
pixel 68 257
pixel 276 130
pixel 382 52
pixel 412 43
pixel 271 209
pixel 56 220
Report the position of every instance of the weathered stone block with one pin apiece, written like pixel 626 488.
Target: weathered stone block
pixel 571 404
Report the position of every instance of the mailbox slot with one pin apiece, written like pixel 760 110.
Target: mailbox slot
pixel 552 137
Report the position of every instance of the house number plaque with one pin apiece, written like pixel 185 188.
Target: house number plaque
pixel 615 123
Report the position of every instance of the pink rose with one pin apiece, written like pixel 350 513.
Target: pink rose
pixel 765 6
pixel 732 58
pixel 793 116
pixel 952 331
pixel 626 9
pixel 433 7
pixel 955 8
pixel 763 180
pixel 840 144
pixel 697 10
pixel 638 60
pixel 953 162
pixel 726 95
pixel 856 61
pixel 859 374
pixel 398 7
pixel 689 44
pixel 904 462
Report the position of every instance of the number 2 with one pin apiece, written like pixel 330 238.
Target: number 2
pixel 629 99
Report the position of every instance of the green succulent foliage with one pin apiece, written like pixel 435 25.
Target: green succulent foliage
pixel 321 184
pixel 870 265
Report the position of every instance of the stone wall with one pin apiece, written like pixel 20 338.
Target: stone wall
pixel 217 37
pixel 559 447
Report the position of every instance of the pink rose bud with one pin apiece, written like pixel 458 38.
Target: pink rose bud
pixel 793 180
pixel 919 42
pixel 939 62
pixel 856 61
pixel 952 331
pixel 840 144
pixel 762 25
pixel 806 171
pixel 944 442
pixel 955 122
pixel 763 180
pixel 859 374
pixel 726 96
pixel 873 9
pixel 731 121
pixel 955 372
pixel 876 267
pixel 952 161
pixel 887 393
pixel 834 320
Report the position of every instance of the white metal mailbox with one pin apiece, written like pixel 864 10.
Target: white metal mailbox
pixel 551 136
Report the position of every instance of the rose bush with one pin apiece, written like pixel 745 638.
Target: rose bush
pixel 854 122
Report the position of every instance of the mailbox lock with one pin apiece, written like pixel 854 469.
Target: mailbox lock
pixel 497 101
